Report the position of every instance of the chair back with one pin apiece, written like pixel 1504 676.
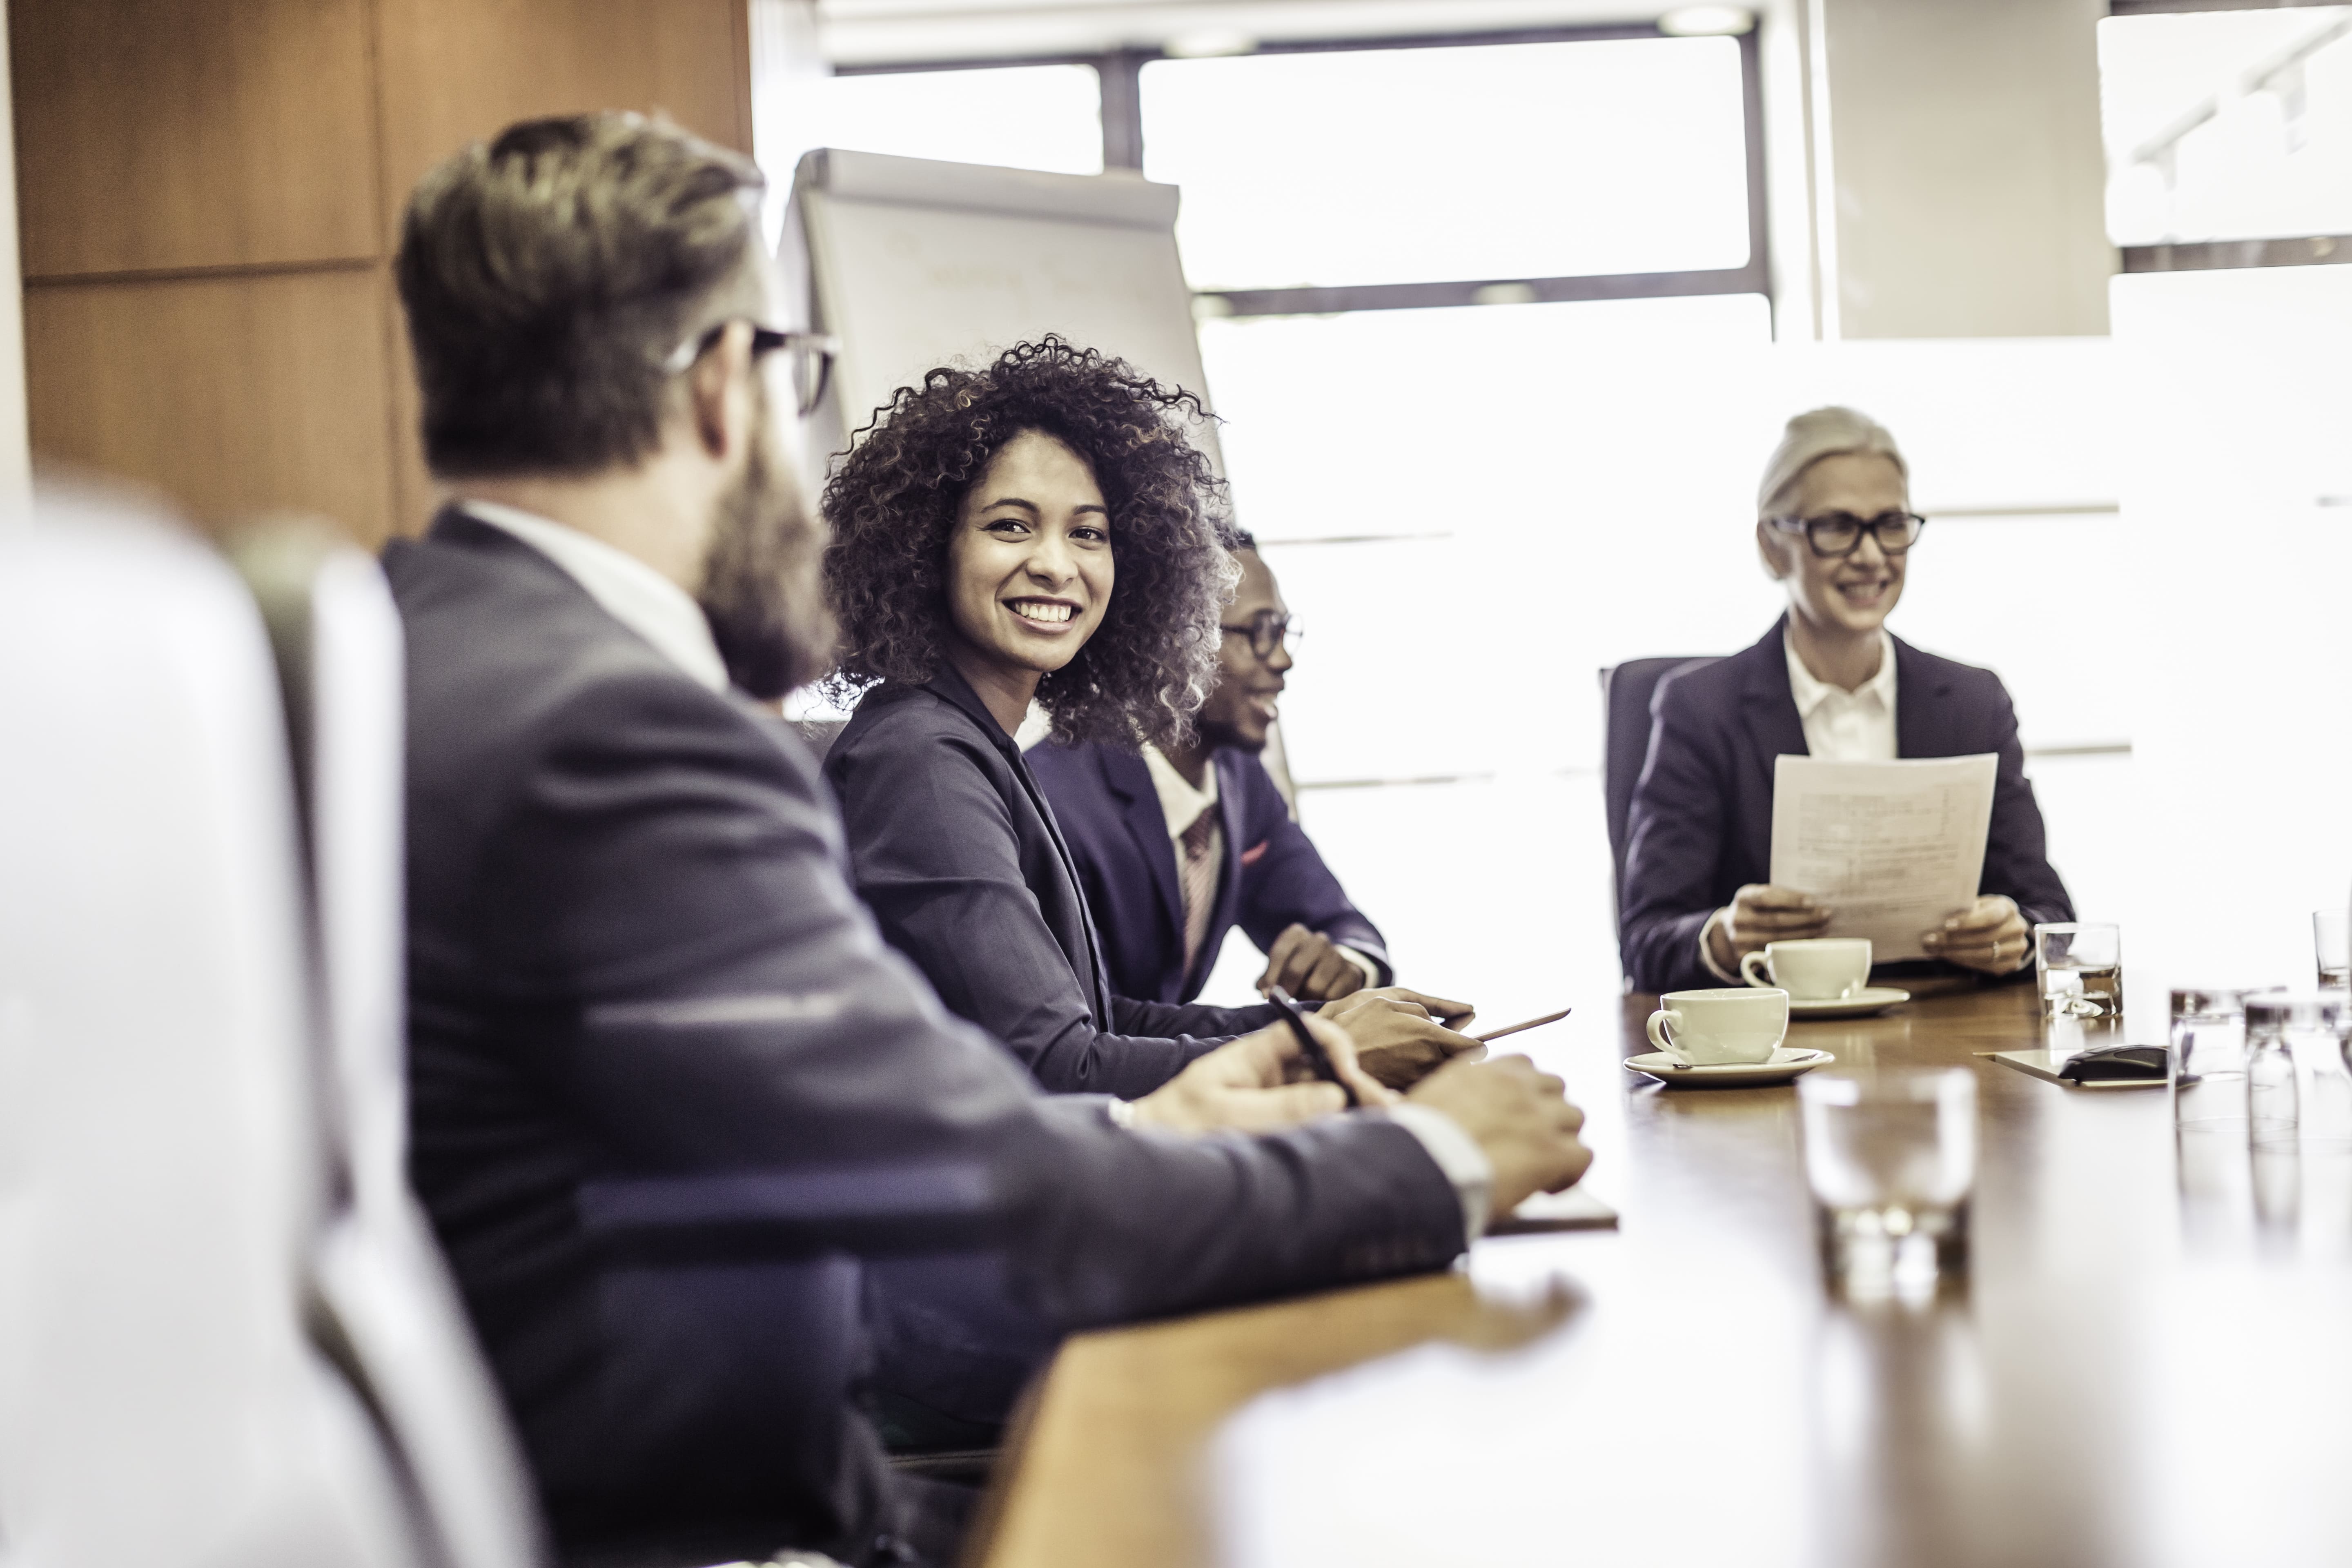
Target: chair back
pixel 385 1292
pixel 1625 693
pixel 162 1179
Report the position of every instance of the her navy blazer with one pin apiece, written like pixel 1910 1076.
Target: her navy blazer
pixel 953 845
pixel 1701 823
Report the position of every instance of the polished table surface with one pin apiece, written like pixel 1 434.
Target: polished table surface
pixel 2148 1361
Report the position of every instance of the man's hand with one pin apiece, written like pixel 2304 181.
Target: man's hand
pixel 1760 914
pixel 1521 1118
pixel 1989 936
pixel 1259 1083
pixel 1397 1036
pixel 1310 966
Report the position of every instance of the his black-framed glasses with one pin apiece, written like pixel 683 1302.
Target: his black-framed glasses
pixel 1839 533
pixel 812 361
pixel 1268 630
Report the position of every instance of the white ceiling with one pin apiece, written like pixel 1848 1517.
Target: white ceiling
pixel 873 32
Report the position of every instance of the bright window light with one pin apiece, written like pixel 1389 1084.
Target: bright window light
pixel 1462 163
pixel 1018 117
pixel 2228 124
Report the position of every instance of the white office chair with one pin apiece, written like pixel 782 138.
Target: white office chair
pixel 161 1400
pixel 387 1304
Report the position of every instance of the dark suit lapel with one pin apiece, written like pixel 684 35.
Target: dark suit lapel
pixel 1129 779
pixel 1767 705
pixel 1233 802
pixel 1923 710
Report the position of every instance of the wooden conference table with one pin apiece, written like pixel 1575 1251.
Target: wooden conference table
pixel 2149 1363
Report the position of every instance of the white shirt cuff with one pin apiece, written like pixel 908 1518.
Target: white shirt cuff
pixel 1707 950
pixel 1372 971
pixel 1458 1156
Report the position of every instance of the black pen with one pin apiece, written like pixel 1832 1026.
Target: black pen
pixel 1317 1057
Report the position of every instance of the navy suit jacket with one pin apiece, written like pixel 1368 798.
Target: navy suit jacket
pixel 953 845
pixel 634 952
pixel 1272 878
pixel 1701 823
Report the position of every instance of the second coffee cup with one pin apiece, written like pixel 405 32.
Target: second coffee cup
pixel 1815 969
pixel 1715 1028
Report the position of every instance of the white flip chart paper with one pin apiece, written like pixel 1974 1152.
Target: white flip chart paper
pixel 1893 848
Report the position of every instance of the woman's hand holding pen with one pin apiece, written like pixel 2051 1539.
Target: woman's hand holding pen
pixel 1260 1083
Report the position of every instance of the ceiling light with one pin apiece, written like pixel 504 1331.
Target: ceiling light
pixel 1706 21
pixel 1207 42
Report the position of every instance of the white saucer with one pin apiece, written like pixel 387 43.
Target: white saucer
pixel 1787 1063
pixel 1861 1005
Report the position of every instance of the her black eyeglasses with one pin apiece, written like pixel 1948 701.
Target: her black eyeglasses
pixel 1837 534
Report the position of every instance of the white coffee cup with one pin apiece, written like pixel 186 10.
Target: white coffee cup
pixel 1711 1029
pixel 1816 969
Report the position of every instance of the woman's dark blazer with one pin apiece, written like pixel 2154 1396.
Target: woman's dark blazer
pixel 1701 823
pixel 953 848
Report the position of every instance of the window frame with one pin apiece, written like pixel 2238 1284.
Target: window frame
pixel 1120 74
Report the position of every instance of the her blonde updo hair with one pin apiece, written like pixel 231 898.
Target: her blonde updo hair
pixel 1818 432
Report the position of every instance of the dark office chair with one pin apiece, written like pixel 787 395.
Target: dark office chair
pixel 1625 693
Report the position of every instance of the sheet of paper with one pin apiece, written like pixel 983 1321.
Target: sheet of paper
pixel 1893 847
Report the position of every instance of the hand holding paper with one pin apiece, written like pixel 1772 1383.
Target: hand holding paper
pixel 1894 849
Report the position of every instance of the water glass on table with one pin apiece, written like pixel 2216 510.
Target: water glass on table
pixel 2080 970
pixel 2208 1061
pixel 2331 943
pixel 1891 1160
pixel 2282 1025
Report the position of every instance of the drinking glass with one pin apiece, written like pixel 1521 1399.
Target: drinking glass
pixel 2277 1024
pixel 1891 1160
pixel 2331 943
pixel 2208 1061
pixel 2081 968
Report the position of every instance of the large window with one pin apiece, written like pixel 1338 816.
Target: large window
pixel 1514 161
pixel 1019 117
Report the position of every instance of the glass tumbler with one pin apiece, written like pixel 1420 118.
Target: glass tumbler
pixel 2081 968
pixel 1891 1160
pixel 2331 947
pixel 2278 1024
pixel 2208 1061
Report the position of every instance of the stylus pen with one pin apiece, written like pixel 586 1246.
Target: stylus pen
pixel 1317 1057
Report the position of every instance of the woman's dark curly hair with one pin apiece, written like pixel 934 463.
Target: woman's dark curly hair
pixel 893 499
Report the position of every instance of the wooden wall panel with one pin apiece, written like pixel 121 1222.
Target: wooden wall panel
pixel 456 71
pixel 188 133
pixel 232 394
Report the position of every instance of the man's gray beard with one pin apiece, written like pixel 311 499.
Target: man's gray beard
pixel 762 588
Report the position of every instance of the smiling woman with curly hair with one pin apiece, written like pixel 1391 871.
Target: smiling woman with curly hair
pixel 1142 668
pixel 1039 529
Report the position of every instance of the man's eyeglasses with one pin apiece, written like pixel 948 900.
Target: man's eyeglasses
pixel 1838 533
pixel 812 361
pixel 1268 630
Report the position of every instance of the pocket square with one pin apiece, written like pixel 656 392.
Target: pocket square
pixel 1256 852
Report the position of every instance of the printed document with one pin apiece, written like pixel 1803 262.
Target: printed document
pixel 1893 848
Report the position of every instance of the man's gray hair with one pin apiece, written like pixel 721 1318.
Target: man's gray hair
pixel 1816 434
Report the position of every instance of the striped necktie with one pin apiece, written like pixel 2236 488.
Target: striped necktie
pixel 1198 875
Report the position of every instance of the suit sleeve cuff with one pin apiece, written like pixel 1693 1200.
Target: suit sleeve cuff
pixel 1372 971
pixel 1457 1154
pixel 1707 950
